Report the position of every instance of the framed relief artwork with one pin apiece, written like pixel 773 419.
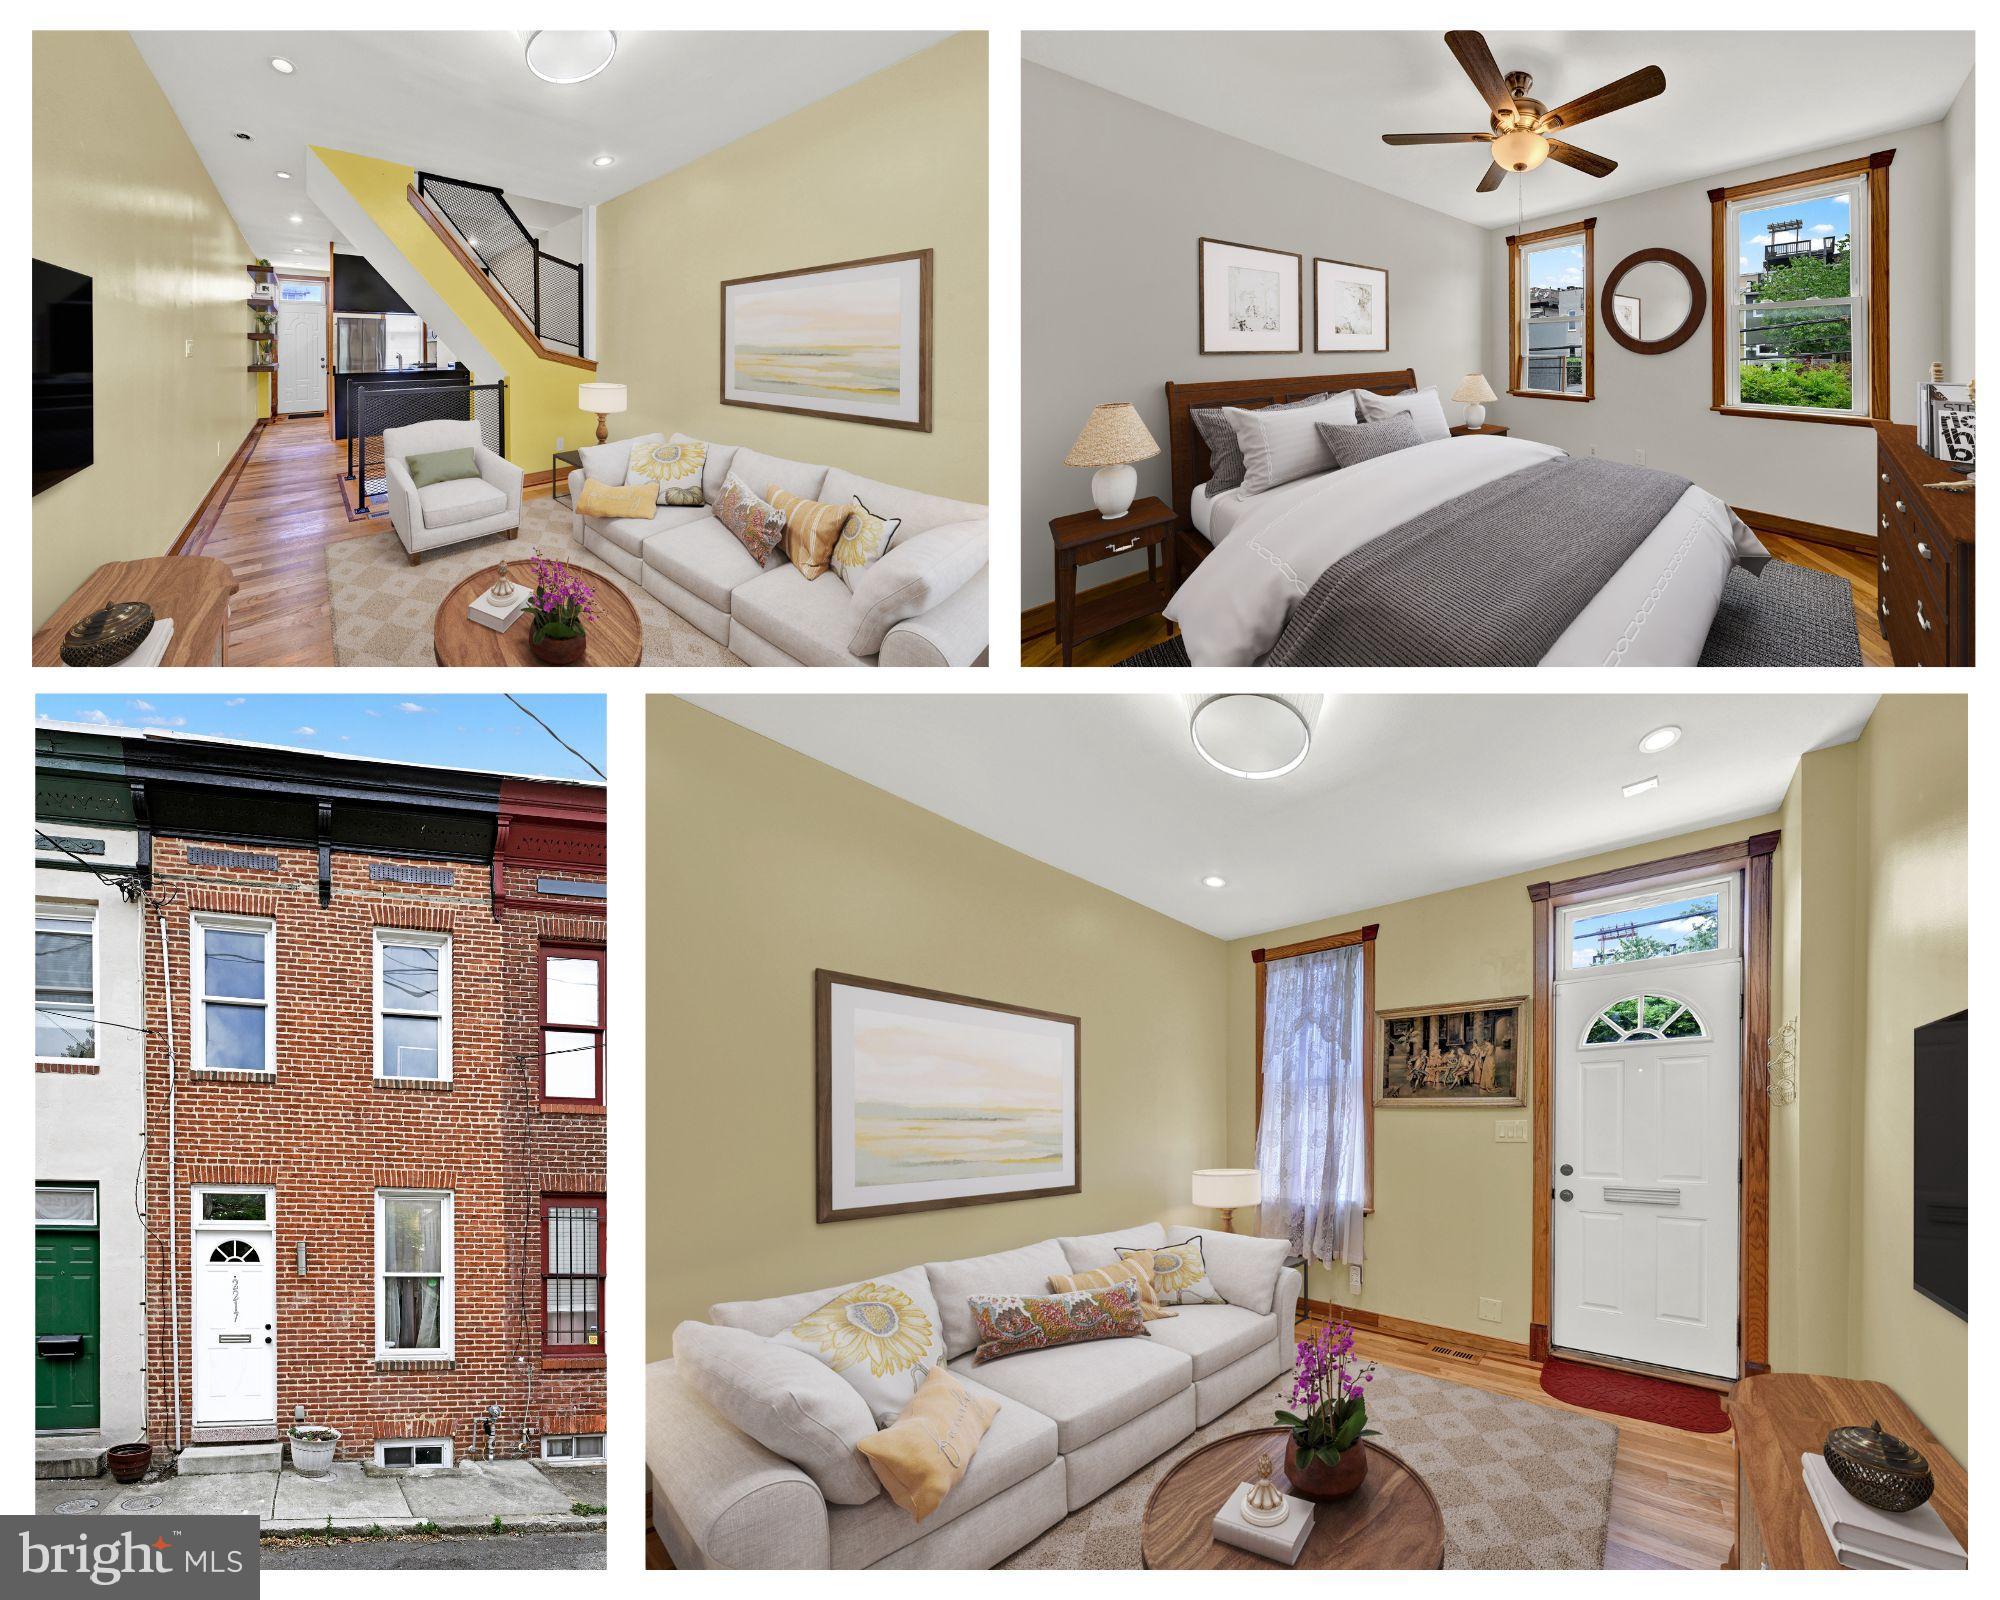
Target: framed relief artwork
pixel 1350 306
pixel 928 1100
pixel 850 341
pixel 1462 1055
pixel 1248 299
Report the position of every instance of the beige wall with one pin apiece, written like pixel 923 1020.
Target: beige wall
pixel 120 194
pixel 765 865
pixel 896 162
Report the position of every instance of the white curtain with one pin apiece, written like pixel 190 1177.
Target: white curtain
pixel 1312 1141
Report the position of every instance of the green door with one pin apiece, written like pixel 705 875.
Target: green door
pixel 65 1303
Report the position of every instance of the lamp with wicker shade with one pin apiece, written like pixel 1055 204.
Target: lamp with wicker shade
pixel 1111 441
pixel 1473 394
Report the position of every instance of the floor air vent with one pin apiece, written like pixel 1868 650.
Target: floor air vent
pixel 1456 1355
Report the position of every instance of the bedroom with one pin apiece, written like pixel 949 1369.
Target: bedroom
pixel 1653 429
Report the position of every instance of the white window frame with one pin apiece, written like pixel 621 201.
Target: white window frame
pixel 1581 238
pixel 198 1000
pixel 1641 994
pixel 448 1274
pixel 383 1446
pixel 201 1191
pixel 68 1222
pixel 573 1460
pixel 1735 310
pixel 441 942
pixel 78 911
pixel 1728 929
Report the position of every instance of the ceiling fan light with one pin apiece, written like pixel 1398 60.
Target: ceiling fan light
pixel 1520 150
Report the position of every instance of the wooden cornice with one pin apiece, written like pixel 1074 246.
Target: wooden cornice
pixel 500 302
pixel 1332 941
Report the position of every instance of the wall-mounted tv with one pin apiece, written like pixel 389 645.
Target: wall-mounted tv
pixel 1939 1208
pixel 65 425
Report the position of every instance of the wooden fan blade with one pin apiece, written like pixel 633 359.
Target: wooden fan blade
pixel 1627 91
pixel 1495 174
pixel 1583 160
pixel 1437 138
pixel 1480 67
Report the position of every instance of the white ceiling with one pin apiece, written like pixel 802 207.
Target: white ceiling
pixel 465 105
pixel 1402 795
pixel 1733 99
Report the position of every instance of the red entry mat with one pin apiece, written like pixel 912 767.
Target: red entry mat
pixel 1636 1395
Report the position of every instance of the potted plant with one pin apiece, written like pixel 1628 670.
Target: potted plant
pixel 1324 1458
pixel 129 1462
pixel 562 603
pixel 312 1447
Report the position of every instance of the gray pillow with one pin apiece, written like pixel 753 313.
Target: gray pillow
pixel 1225 454
pixel 440 466
pixel 1362 441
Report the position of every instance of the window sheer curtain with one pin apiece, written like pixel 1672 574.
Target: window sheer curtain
pixel 1312 1139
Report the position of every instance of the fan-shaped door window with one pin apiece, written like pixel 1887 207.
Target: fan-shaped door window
pixel 233 1250
pixel 1645 1019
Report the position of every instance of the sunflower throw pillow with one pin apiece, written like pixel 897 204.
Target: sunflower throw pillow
pixel 674 470
pixel 1180 1276
pixel 1013 1324
pixel 884 1336
pixel 863 538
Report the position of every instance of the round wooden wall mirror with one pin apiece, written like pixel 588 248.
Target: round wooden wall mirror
pixel 1653 301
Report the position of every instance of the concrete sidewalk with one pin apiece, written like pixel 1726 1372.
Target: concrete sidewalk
pixel 353 1498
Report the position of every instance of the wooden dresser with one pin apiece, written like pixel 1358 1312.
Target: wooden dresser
pixel 1925 582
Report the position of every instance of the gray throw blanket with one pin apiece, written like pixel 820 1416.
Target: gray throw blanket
pixel 1491 579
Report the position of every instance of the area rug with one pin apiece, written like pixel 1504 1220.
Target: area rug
pixel 383 607
pixel 1637 1395
pixel 1520 1484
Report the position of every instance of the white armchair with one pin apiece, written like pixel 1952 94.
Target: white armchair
pixel 452 512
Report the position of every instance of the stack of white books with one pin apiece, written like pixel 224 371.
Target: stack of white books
pixel 1870 1540
pixel 152 649
pixel 490 613
pixel 1282 1542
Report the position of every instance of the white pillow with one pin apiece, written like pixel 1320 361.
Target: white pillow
pixel 1244 1268
pixel 1282 445
pixel 883 1335
pixel 1420 405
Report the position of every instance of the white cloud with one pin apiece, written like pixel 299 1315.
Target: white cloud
pixel 305 730
pixel 142 705
pixel 411 706
pixel 1822 227
pixel 100 719
pixel 1840 199
pixel 236 702
pixel 368 713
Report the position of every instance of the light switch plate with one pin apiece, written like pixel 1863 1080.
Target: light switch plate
pixel 1354 1277
pixel 1489 1310
pixel 1511 1131
pixel 187 347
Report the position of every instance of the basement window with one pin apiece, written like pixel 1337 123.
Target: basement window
pixel 577 1449
pixel 413 1452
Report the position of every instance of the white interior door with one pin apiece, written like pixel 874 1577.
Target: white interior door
pixel 301 355
pixel 235 1317
pixel 1644 1251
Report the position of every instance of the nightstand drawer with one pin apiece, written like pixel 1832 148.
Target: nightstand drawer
pixel 1119 545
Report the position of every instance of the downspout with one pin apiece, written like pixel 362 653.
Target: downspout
pixel 173 1196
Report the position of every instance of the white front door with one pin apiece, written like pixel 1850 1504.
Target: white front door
pixel 301 356
pixel 1645 1166
pixel 235 1328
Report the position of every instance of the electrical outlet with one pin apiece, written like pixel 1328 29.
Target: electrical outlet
pixel 560 445
pixel 1593 449
pixel 1641 454
pixel 1354 1277
pixel 1510 1132
pixel 1489 1310
pixel 187 347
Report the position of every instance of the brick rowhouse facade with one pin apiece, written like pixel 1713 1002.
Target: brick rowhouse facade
pixel 402 852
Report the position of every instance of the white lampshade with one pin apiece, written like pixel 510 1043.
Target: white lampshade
pixel 602 398
pixel 1226 1188
pixel 1474 391
pixel 1520 151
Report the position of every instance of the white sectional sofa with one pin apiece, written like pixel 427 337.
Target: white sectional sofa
pixel 1073 1421
pixel 922 604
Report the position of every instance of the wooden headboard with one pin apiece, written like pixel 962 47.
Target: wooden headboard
pixel 1189 451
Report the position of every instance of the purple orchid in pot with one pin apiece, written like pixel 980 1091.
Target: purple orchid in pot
pixel 562 603
pixel 1324 1458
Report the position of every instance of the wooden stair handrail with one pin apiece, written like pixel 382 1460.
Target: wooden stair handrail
pixel 500 302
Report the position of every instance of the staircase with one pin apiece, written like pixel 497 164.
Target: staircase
pixel 544 292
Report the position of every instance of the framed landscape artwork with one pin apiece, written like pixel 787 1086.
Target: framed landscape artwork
pixel 928 1100
pixel 1463 1055
pixel 850 341
pixel 1247 299
pixel 1350 306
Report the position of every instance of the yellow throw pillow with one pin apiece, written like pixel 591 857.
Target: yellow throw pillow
pixel 921 1456
pixel 673 469
pixel 617 500
pixel 1130 1269
pixel 811 528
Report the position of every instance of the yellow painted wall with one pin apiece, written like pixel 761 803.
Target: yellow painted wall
pixel 764 865
pixel 896 162
pixel 119 193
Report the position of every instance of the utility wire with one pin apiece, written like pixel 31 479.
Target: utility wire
pixel 126 883
pixel 559 739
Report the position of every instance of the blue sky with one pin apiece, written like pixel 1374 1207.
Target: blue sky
pixel 1560 267
pixel 1822 218
pixel 479 731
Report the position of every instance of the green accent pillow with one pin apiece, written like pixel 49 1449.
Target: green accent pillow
pixel 441 466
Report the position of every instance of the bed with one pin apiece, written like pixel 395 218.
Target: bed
pixel 1294 576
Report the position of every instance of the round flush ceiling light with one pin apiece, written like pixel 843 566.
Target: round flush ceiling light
pixel 1250 735
pixel 284 174
pixel 602 161
pixel 1520 151
pixel 1215 881
pixel 1660 739
pixel 558 57
pixel 280 64
pixel 297 218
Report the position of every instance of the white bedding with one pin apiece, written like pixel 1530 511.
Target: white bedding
pixel 1655 611
pixel 1216 517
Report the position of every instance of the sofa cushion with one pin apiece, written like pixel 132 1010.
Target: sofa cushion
pixel 458 500
pixel 918 512
pixel 922 1455
pixel 1086 1390
pixel 759 471
pixel 715 470
pixel 1244 1268
pixel 613 502
pixel 757 524
pixel 1026 1270
pixel 881 1335
pixel 1088 1251
pixel 1019 1324
pixel 811 528
pixel 1134 1271
pixel 789 1403
pixel 920 571
pixel 608 463
pixel 1214 1337
pixel 631 533
pixel 810 622
pixel 705 558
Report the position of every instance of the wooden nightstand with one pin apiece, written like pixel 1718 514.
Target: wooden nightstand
pixel 559 479
pixel 1463 432
pixel 1087 537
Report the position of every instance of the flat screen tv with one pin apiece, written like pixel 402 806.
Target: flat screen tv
pixel 1939 1255
pixel 64 421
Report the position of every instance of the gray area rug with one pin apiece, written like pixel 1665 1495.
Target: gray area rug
pixel 383 607
pixel 1520 1485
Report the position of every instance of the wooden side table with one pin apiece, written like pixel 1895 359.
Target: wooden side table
pixel 193 590
pixel 559 479
pixel 1087 537
pixel 1463 432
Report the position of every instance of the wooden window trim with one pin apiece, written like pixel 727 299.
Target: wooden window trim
pixel 569 952
pixel 1588 228
pixel 1876 167
pixel 574 1202
pixel 1365 937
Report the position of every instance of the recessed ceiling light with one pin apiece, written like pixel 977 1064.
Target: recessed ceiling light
pixel 559 57
pixel 1660 739
pixel 284 174
pixel 280 64
pixel 1250 735
pixel 297 218
pixel 1641 787
pixel 602 161
pixel 1212 881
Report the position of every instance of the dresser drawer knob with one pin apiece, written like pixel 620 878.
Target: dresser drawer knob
pixel 1885 477
pixel 1923 550
pixel 1885 563
pixel 1901 508
pixel 1885 520
pixel 1923 621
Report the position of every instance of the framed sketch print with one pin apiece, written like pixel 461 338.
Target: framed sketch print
pixel 1248 299
pixel 1462 1055
pixel 1625 310
pixel 850 341
pixel 929 1100
pixel 1350 306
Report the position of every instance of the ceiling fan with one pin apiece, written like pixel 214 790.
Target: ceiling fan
pixel 1522 126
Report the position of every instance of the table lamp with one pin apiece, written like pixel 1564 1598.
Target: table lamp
pixel 606 399
pixel 1111 441
pixel 1225 1188
pixel 1473 394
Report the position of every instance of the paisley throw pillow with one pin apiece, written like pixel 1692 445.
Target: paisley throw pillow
pixel 674 469
pixel 1013 1324
pixel 758 526
pixel 1180 1276
pixel 884 1336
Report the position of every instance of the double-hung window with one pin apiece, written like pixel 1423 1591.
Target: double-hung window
pixel 65 983
pixel 573 1274
pixel 413 1274
pixel 412 1004
pixel 1552 332
pixel 234 1030
pixel 572 1023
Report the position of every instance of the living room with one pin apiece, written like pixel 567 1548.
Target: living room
pixel 478 327
pixel 1591 1154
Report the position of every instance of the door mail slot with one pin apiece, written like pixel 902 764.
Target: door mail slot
pixel 1617 1196
pixel 232 1338
pixel 58 1344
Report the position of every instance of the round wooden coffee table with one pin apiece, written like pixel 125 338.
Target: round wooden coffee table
pixel 1391 1521
pixel 612 639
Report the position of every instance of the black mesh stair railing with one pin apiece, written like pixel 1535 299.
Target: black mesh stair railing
pixel 545 289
